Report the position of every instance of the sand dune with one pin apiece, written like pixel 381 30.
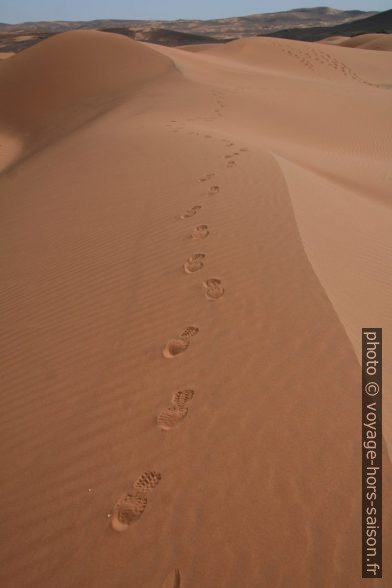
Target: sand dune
pixel 378 42
pixel 185 283
pixel 4 55
pixel 334 40
pixel 198 47
pixel 69 79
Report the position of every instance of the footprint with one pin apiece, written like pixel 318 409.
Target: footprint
pixel 214 289
pixel 147 481
pixel 174 347
pixel 190 212
pixel 200 232
pixel 127 510
pixel 213 190
pixel 231 163
pixel 173 580
pixel 206 177
pixel 130 507
pixel 180 344
pixel 182 397
pixel 194 263
pixel 189 332
pixel 171 416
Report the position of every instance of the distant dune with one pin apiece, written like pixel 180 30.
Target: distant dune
pixel 192 240
pixel 196 47
pixel 4 55
pixel 378 42
pixel 334 40
pixel 172 38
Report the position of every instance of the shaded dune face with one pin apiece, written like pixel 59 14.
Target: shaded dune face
pixel 67 80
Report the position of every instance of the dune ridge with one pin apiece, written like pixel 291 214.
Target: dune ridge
pixel 185 282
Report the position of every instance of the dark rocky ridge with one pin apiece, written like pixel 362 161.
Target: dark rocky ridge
pixel 378 23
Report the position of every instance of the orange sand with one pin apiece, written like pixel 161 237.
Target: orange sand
pixel 192 242
pixel 377 41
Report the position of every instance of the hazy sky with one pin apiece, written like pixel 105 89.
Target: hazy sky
pixel 25 10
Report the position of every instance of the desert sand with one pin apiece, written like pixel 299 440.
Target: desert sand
pixel 191 244
pixel 334 40
pixel 378 42
pixel 375 41
pixel 5 55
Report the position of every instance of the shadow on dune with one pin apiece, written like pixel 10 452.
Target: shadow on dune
pixel 70 79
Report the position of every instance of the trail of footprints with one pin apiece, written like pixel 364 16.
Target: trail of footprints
pixel 130 507
pixel 316 55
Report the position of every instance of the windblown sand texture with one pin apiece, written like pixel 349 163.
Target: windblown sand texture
pixel 191 244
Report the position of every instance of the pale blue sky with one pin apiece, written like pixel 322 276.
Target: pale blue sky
pixel 14 11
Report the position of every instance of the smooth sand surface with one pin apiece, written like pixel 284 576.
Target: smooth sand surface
pixel 4 55
pixel 377 41
pixel 196 48
pixel 334 40
pixel 191 244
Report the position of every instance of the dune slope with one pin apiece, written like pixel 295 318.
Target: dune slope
pixel 378 42
pixel 68 79
pixel 184 281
